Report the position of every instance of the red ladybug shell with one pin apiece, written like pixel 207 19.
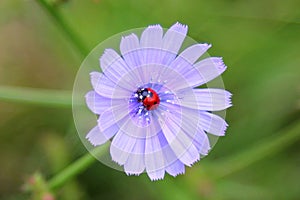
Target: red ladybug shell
pixel 151 102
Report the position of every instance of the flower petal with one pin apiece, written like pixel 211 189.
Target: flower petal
pixel 112 115
pixel 96 137
pixel 212 123
pixel 154 157
pixel 130 50
pixel 201 72
pixel 105 87
pixel 133 134
pixel 176 168
pixel 151 43
pixel 190 121
pixel 109 57
pixel 201 142
pixel 205 71
pixel 136 160
pixel 210 99
pixel 194 52
pixel 114 68
pixel 137 128
pixel 172 164
pixel 180 143
pixel 121 147
pixel 206 146
pixel 152 74
pixel 184 62
pixel 96 103
pixel 152 37
pixel 172 41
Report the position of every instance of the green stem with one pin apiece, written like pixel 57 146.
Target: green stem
pixel 46 97
pixel 76 167
pixel 58 19
pixel 267 147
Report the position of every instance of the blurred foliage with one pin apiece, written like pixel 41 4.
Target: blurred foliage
pixel 259 41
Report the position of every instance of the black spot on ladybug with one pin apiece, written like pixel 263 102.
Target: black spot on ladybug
pixel 145 93
pixel 142 94
pixel 149 98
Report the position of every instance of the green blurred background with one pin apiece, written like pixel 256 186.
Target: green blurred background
pixel 260 43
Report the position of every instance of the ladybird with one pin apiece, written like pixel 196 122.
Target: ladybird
pixel 149 98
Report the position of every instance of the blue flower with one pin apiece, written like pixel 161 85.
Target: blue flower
pixel 148 104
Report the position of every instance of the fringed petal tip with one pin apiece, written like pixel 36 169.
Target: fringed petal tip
pixel 205 149
pixel 130 36
pixel 223 129
pixel 115 160
pixel 92 141
pixel 154 26
pixel 156 175
pixel 208 45
pixel 176 174
pixel 193 162
pixel 106 52
pixel 106 58
pixel 205 152
pixel 178 27
pixel 220 133
pixel 219 64
pixel 129 44
pixel 153 178
pixel 95 137
pixel 228 99
pixel 133 173
pixel 205 45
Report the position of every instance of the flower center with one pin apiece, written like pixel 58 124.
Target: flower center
pixel 148 97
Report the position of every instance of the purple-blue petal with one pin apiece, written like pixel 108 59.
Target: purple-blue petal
pixel 154 157
pixel 180 143
pixel 130 50
pixel 212 123
pixel 173 165
pixel 112 115
pixel 97 103
pixel 135 163
pixel 121 147
pixel 185 60
pixel 176 168
pixel 107 88
pixel 203 72
pixel 151 43
pixel 208 99
pixel 114 68
pixel 172 42
pixel 97 137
